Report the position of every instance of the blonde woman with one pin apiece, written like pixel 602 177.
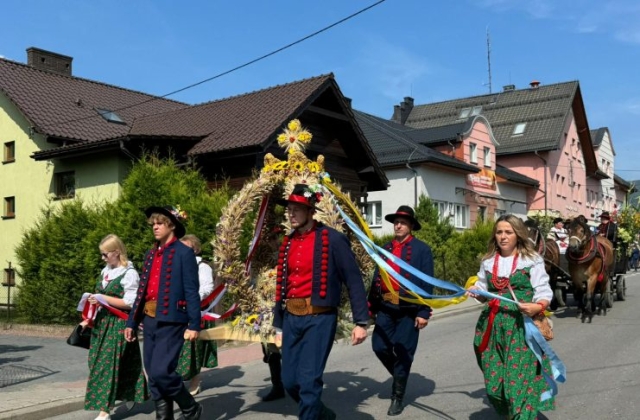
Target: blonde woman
pixel 513 375
pixel 115 366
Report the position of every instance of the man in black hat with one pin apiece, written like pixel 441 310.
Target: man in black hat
pixel 607 228
pixel 398 322
pixel 313 263
pixel 168 305
pixel 559 234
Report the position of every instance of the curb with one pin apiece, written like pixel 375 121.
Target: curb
pixel 45 410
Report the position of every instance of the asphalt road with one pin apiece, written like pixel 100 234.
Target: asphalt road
pixel 602 360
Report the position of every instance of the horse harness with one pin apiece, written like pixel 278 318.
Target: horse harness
pixel 595 250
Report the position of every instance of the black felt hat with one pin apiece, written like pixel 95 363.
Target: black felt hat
pixel 175 215
pixel 406 212
pixel 302 194
pixel 558 220
pixel 605 215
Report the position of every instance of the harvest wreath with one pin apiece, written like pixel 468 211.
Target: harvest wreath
pixel 252 283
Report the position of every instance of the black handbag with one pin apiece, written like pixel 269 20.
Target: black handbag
pixel 80 337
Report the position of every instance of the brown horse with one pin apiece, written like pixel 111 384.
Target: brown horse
pixel 549 250
pixel 590 260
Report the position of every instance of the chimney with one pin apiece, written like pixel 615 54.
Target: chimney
pixel 508 88
pixel 534 84
pixel 49 61
pixel 401 112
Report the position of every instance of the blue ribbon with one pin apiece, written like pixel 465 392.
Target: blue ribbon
pixel 533 337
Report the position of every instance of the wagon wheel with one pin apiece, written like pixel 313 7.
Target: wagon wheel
pixel 608 297
pixel 621 288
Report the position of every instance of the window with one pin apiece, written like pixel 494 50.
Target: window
pixel 476 110
pixel 464 113
pixel 457 214
pixel 374 213
pixel 110 116
pixel 473 153
pixel 65 184
pixel 487 157
pixel 9 152
pixel 558 186
pixel 482 212
pixel 497 213
pixel 9 208
pixel 562 189
pixel 519 129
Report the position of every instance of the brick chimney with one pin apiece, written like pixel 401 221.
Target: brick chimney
pixel 50 61
pixel 401 112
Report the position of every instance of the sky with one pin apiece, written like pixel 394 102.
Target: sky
pixel 431 50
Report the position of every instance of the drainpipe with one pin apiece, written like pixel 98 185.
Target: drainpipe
pixel 545 182
pixel 126 152
pixel 415 179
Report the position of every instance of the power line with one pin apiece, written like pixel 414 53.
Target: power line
pixel 241 66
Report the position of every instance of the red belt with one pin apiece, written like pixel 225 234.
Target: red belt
pixel 494 304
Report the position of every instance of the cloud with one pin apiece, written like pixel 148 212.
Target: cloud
pixel 619 19
pixel 392 69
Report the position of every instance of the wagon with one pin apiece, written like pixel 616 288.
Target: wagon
pixel 617 288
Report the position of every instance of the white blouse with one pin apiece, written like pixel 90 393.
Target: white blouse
pixel 205 277
pixel 539 277
pixel 129 282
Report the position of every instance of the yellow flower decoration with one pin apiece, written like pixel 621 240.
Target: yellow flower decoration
pixel 235 321
pixel 313 167
pixel 295 138
pixel 298 166
pixel 251 319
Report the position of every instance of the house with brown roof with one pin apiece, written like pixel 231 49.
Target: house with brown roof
pixel 454 165
pixel 65 136
pixel 542 133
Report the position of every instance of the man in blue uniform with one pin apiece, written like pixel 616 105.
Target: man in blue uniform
pixel 168 305
pixel 398 322
pixel 313 263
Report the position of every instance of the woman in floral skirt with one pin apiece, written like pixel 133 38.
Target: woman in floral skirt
pixel 115 366
pixel 200 353
pixel 512 374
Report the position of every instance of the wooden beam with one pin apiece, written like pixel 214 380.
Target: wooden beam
pixel 327 113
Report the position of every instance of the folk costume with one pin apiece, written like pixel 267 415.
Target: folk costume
pixel 513 375
pixel 200 353
pixel 395 336
pixel 608 229
pixel 560 235
pixel 115 366
pixel 167 304
pixel 312 267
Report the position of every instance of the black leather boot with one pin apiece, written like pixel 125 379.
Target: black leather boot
pixel 164 409
pixel 275 369
pixel 397 394
pixel 191 410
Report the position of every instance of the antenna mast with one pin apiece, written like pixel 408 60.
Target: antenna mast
pixel 489 59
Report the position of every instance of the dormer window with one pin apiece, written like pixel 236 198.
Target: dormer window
pixel 519 129
pixel 476 110
pixel 464 113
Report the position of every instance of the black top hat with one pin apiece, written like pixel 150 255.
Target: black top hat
pixel 302 194
pixel 558 220
pixel 407 213
pixel 175 215
pixel 605 215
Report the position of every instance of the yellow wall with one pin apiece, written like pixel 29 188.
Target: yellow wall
pixel 98 179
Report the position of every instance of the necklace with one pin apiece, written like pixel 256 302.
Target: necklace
pixel 501 283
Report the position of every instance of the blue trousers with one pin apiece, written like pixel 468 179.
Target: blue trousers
pixel 163 343
pixel 306 344
pixel 395 339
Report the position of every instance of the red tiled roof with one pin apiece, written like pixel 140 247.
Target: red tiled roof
pixel 239 121
pixel 65 106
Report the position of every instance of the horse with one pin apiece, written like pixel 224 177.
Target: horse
pixel 548 250
pixel 590 260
